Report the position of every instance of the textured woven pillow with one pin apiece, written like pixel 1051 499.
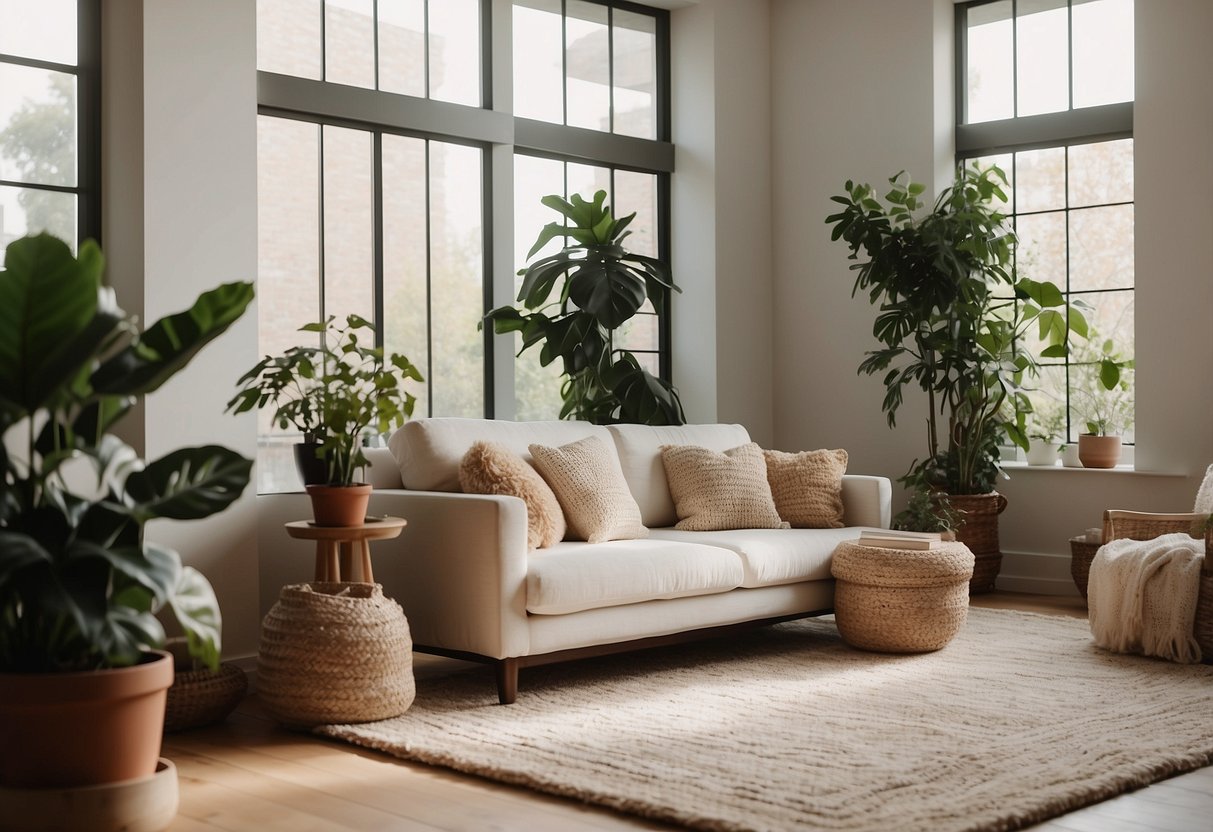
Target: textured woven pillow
pixel 807 487
pixel 587 480
pixel 714 490
pixel 490 468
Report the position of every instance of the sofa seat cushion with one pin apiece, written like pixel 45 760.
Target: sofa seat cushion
pixel 573 576
pixel 772 556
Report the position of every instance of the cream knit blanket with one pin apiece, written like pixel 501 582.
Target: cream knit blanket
pixel 1142 596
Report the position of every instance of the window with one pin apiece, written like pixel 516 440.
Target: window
pixel 49 119
pixel 377 196
pixel 1045 91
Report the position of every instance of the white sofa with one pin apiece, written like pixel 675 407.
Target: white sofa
pixel 470 589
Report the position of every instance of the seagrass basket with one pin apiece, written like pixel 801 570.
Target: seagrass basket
pixel 1081 555
pixel 335 653
pixel 1138 525
pixel 203 697
pixel 979 532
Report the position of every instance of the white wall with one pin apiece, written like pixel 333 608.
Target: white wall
pixel 721 213
pixel 858 93
pixel 180 217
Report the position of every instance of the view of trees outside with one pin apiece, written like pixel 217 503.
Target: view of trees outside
pixel 37 122
pixel 1072 206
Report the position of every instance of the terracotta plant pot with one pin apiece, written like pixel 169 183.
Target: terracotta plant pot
pixel 1098 451
pixel 146 804
pixel 339 505
pixel 82 729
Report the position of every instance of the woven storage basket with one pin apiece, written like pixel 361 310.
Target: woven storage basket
pixel 204 697
pixel 335 653
pixel 1141 526
pixel 898 600
pixel 979 532
pixel 1081 555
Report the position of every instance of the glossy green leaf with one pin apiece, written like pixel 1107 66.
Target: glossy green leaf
pixel 188 484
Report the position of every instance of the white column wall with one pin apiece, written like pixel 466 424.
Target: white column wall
pixel 857 94
pixel 721 213
pixel 180 155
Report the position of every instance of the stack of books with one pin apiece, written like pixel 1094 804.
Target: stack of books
pixel 895 539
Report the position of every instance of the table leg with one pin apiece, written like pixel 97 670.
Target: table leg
pixel 368 575
pixel 334 567
pixel 347 561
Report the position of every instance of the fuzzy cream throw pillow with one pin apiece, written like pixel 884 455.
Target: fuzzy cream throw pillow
pixel 587 480
pixel 713 491
pixel 491 468
pixel 807 487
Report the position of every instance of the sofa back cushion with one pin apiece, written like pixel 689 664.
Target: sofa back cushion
pixel 639 448
pixel 429 451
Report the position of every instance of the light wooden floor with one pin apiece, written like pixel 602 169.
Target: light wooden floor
pixel 248 774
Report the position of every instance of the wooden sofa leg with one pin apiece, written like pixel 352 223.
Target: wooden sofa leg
pixel 507 680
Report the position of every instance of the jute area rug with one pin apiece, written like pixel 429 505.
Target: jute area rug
pixel 1019 719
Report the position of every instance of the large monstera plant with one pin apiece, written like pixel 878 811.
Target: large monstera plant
pixel 573 300
pixel 79 584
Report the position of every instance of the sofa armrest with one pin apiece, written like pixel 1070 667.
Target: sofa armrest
pixel 458 568
pixel 867 501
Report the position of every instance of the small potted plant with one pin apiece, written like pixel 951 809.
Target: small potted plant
pixel 338 390
pixel 1044 430
pixel 79 583
pixel 1108 406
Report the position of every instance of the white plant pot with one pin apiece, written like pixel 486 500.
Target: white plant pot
pixel 1042 453
pixel 1069 457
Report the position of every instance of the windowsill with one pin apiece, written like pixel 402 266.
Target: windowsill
pixel 1119 470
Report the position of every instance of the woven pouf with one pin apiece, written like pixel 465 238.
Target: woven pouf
pixel 899 600
pixel 335 653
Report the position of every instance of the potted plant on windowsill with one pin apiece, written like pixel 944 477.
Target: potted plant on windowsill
pixel 339 390
pixel 601 286
pixel 952 321
pixel 1108 408
pixel 79 583
pixel 1044 430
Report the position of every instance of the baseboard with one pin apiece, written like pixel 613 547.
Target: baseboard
pixel 1038 573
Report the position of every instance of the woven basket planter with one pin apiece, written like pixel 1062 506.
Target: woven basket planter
pixel 899 600
pixel 335 653
pixel 203 697
pixel 979 532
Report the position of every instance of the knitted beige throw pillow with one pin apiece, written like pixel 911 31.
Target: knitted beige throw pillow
pixel 714 491
pixel 807 487
pixel 491 468
pixel 587 480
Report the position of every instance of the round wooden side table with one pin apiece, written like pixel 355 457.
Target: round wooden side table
pixel 335 546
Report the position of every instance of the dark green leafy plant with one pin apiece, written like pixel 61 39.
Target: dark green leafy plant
pixel 333 393
pixel 79 585
pixel 952 318
pixel 601 285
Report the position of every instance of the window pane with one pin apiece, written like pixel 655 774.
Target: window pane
pixel 45 30
pixel 1040 180
pixel 456 280
pixel 405 294
pixel 638 192
pixel 402 46
pixel 455 51
pixel 1048 393
pixel 538 66
pixel 587 180
pixel 990 63
pixel 1101 248
pixel 288 269
pixel 1101 173
pixel 348 224
pixel 37 126
pixel 349 42
pixel 1042 247
pixel 288 37
pixel 638 333
pixel 588 62
pixel 536 388
pixel 1043 57
pixel 1103 52
pixel 1004 162
pixel 635 70
pixel 30 211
